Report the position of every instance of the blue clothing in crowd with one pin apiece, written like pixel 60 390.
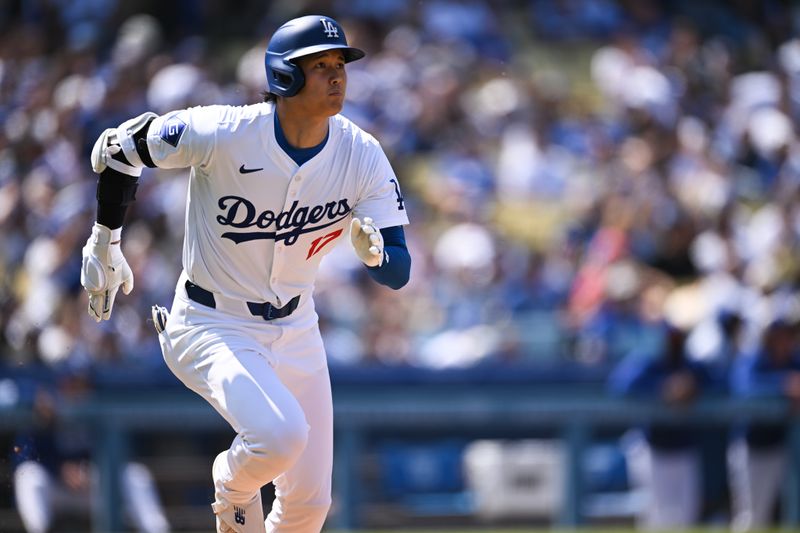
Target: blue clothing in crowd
pixel 756 375
pixel 644 377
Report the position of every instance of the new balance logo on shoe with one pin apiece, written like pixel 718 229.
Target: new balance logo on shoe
pixel 238 515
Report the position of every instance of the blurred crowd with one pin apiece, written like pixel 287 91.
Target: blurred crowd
pixel 571 168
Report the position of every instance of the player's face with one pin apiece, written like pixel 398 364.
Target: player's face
pixel 326 83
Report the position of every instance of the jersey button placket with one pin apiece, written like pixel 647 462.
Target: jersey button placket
pixel 276 263
pixel 277 257
pixel 293 189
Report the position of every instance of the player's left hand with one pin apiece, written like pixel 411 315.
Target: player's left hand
pixel 103 271
pixel 367 241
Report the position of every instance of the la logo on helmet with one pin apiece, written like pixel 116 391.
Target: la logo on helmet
pixel 330 29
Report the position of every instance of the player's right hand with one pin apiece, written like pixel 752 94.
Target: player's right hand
pixel 103 271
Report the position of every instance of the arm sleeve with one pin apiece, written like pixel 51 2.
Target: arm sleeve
pixel 396 268
pixel 184 138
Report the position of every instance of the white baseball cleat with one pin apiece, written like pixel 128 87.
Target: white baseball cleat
pixel 237 517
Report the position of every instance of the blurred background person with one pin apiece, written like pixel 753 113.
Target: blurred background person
pixel 53 474
pixel 757 457
pixel 663 458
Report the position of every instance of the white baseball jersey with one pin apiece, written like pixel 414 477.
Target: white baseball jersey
pixel 257 225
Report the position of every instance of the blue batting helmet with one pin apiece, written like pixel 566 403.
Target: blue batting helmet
pixel 301 37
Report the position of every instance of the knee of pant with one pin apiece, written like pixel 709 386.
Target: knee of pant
pixel 282 443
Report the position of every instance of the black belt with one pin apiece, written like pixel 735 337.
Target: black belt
pixel 265 310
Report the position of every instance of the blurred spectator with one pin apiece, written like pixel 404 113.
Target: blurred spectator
pixel 757 457
pixel 716 342
pixel 621 323
pixel 54 477
pixel 664 461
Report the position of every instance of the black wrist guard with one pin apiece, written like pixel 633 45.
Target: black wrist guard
pixel 115 192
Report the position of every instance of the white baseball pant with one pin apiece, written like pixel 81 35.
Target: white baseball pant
pixel 755 477
pixel 670 482
pixel 269 380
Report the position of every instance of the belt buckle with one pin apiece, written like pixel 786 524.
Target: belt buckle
pixel 268 314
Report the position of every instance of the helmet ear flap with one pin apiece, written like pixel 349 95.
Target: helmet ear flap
pixel 283 77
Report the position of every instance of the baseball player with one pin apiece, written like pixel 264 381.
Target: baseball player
pixel 54 477
pixel 758 451
pixel 273 187
pixel 664 458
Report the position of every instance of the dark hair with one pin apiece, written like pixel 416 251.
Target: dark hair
pixel 269 97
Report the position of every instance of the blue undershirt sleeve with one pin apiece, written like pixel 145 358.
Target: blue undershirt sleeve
pixel 396 267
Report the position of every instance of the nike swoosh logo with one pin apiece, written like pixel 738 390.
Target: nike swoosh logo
pixel 243 170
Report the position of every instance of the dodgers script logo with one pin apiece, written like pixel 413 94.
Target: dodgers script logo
pixel 240 212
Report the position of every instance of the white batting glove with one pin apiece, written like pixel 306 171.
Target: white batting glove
pixel 104 270
pixel 367 241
